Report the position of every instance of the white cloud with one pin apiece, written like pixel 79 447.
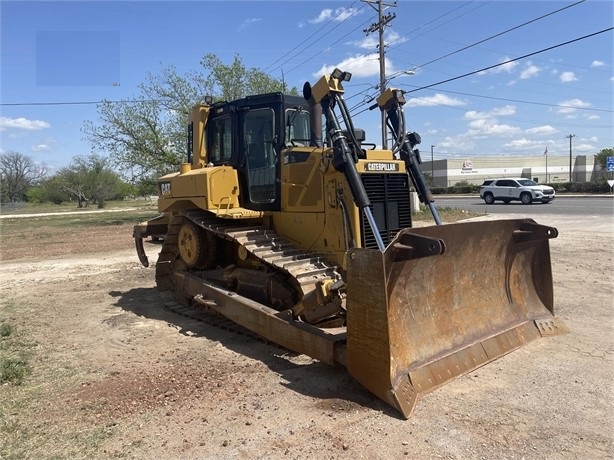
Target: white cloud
pixel 584 147
pixel 371 41
pixel 490 127
pixel 529 71
pixel 507 67
pixel 496 112
pixel 324 15
pixel 566 77
pixel 571 105
pixel 361 65
pixel 597 63
pixel 436 99
pixel 22 123
pixel 542 130
pixel 484 124
pixel 519 144
pixel 41 148
pixel 249 21
pixel 340 14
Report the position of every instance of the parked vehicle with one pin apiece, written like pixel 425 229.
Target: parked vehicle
pixel 515 189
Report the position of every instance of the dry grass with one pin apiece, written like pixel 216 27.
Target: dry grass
pixel 446 214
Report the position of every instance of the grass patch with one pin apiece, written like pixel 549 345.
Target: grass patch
pixel 13 370
pixel 85 220
pixel 14 365
pixel 35 208
pixel 446 214
pixel 5 329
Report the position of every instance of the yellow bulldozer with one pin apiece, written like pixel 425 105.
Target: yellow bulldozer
pixel 284 220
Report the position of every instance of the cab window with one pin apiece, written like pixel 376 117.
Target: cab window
pixel 297 127
pixel 220 140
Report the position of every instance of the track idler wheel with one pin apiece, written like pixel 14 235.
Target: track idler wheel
pixel 195 249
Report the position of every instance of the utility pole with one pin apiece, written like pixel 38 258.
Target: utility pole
pixel 546 155
pixel 379 26
pixel 570 137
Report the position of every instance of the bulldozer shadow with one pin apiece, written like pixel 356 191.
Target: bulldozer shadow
pixel 333 387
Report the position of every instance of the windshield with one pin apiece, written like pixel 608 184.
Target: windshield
pixel 527 182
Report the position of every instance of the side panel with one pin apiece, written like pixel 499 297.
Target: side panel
pixel 215 188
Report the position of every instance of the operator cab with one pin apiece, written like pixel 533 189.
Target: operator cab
pixel 249 135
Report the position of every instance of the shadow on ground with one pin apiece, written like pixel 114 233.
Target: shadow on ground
pixel 315 379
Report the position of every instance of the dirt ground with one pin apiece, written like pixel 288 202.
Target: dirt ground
pixel 114 374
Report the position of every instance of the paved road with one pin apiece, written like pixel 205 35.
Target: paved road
pixel 594 214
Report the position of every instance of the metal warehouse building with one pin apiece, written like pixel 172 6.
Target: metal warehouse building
pixel 546 168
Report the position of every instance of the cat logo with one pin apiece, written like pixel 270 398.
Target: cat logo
pixel 165 189
pixel 386 167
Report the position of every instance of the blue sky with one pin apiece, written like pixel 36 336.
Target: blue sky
pixel 75 53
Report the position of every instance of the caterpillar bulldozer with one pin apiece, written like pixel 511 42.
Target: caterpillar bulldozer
pixel 286 222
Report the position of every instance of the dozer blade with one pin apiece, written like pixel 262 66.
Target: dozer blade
pixel 444 300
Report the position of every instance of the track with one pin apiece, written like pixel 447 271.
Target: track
pixel 306 269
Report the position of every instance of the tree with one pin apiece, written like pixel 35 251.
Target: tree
pixel 90 178
pixel 146 137
pixel 602 156
pixel 234 81
pixel 18 172
pixel 50 189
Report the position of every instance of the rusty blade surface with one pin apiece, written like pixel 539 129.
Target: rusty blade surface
pixel 443 300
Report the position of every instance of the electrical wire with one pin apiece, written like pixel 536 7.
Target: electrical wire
pixel 320 37
pixel 519 101
pixel 510 60
pixel 498 34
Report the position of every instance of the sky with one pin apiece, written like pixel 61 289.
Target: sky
pixel 482 78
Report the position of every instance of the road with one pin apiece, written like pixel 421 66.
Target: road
pixel 593 214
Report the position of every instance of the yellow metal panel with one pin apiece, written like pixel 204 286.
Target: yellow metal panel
pixel 379 155
pixel 215 188
pixel 301 185
pixel 222 188
pixel 198 117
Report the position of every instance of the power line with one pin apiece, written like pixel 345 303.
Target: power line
pixel 518 119
pixel 6 104
pixel 440 17
pixel 510 60
pixel 127 101
pixel 499 34
pixel 313 43
pixel 558 106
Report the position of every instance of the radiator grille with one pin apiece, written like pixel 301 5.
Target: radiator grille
pixel 390 206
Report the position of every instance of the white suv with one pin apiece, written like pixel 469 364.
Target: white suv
pixel 510 189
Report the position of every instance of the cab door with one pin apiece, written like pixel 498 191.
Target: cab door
pixel 259 158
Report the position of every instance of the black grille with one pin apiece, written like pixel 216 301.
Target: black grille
pixel 390 206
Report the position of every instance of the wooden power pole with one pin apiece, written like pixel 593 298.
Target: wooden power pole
pixel 379 26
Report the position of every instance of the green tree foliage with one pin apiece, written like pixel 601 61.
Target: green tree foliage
pixel 90 179
pixel 146 137
pixel 18 172
pixel 600 158
pixel 234 81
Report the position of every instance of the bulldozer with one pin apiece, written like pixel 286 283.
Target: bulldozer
pixel 285 221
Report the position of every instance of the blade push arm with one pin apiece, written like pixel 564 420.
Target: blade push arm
pixel 392 101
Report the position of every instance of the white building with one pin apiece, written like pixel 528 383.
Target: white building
pixel 543 169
